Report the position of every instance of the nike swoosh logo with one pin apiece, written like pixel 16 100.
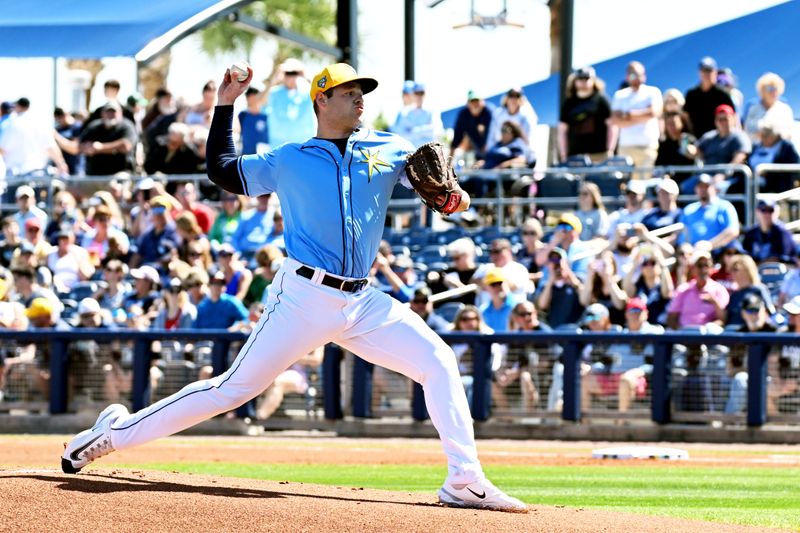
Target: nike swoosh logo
pixel 75 454
pixel 481 496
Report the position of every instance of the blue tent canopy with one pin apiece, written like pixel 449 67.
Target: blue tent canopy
pixel 751 45
pixel 99 28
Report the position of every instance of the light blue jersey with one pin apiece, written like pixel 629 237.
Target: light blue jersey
pixel 334 206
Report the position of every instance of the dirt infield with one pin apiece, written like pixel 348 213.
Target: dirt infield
pixel 36 497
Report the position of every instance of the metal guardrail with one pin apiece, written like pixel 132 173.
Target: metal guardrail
pixel 758 347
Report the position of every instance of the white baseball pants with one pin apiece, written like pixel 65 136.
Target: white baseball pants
pixel 301 315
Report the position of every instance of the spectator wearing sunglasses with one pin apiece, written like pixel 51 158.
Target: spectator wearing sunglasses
pixel 768 240
pixel 591 212
pixel 422 305
pixel 649 280
pixel 497 311
pixel 567 237
pixel 514 274
pixel 532 234
pixel 559 296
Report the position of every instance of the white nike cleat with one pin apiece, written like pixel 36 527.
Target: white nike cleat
pixel 481 494
pixel 93 443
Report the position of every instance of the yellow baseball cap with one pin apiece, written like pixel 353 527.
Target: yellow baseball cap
pixel 39 307
pixel 337 74
pixel 495 275
pixel 571 220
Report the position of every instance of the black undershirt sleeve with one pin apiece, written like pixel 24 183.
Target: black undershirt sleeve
pixel 221 159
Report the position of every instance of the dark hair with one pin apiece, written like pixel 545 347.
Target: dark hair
pixel 328 93
pixel 210 86
pixel 162 92
pixel 58 112
pixel 24 103
pixel 111 84
pixel 251 91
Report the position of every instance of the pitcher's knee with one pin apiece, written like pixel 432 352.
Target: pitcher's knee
pixel 440 365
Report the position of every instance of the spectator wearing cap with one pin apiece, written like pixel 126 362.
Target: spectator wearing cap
pixel 254 228
pixel 462 268
pixel 772 147
pixel 27 256
pixel 253 124
pixel 748 282
pixel 632 212
pixel 711 218
pixel 42 313
pixel 219 310
pixel 27 209
pixel 173 153
pixel 635 110
pixel 69 262
pixel 415 122
pixel 227 219
pixel 27 288
pixel 12 239
pixel 768 107
pixel 701 300
pixel 515 108
pixel 703 100
pixel 35 242
pixel 65 214
pixel 237 275
pixel 649 280
pixel 584 123
pixel 497 311
pixel 104 241
pixel 768 239
pixel 108 142
pixel 515 275
pixel 27 142
pixel 596 358
pixel 472 125
pixel 724 145
pixel 68 129
pixel 141 302
pixel 666 211
pixel 560 290
pixel 290 114
pixel 422 305
pixel 162 228
pixel 91 315
pixel 186 193
pixel 177 311
pixel 725 257
pixel 567 237
pixel 630 360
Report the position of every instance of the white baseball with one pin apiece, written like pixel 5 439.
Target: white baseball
pixel 239 70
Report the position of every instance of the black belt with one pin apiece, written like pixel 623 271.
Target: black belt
pixel 346 285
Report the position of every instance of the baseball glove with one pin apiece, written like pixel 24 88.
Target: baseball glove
pixel 434 179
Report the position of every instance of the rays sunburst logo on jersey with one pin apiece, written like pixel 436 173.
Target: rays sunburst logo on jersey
pixel 373 161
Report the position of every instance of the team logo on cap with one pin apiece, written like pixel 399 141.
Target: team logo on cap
pixel 323 81
pixel 373 161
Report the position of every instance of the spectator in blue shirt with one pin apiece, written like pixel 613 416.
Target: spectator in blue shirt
pixel 148 246
pixel 219 310
pixel 471 131
pixel 253 123
pixel 768 240
pixel 254 230
pixel 497 311
pixel 711 218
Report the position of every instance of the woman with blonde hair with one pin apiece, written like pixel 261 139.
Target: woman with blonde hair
pixel 748 281
pixel 768 107
pixel 107 199
pixel 192 239
pixel 267 258
pixel 591 212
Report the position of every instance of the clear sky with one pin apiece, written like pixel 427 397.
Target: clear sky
pixel 448 61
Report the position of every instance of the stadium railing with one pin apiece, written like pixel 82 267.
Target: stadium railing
pixel 678 389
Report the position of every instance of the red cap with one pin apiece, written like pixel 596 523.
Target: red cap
pixel 33 222
pixel 636 303
pixel 724 108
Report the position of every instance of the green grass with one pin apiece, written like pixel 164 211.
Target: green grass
pixel 766 497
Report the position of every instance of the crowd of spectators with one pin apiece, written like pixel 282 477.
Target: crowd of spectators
pixel 156 253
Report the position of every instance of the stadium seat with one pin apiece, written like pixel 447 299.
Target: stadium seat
pixel 557 186
pixel 772 274
pixel 81 290
pixel 449 310
pixel 608 183
pixel 579 161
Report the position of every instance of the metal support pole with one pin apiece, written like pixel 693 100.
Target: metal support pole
pixel 757 384
pixel 141 374
pixel 481 381
pixel 362 388
pixel 572 382
pixel 567 16
pixel 332 382
pixel 347 30
pixel 660 384
pixel 408 35
pixel 59 376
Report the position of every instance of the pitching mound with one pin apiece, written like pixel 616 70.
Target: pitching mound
pixel 132 500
